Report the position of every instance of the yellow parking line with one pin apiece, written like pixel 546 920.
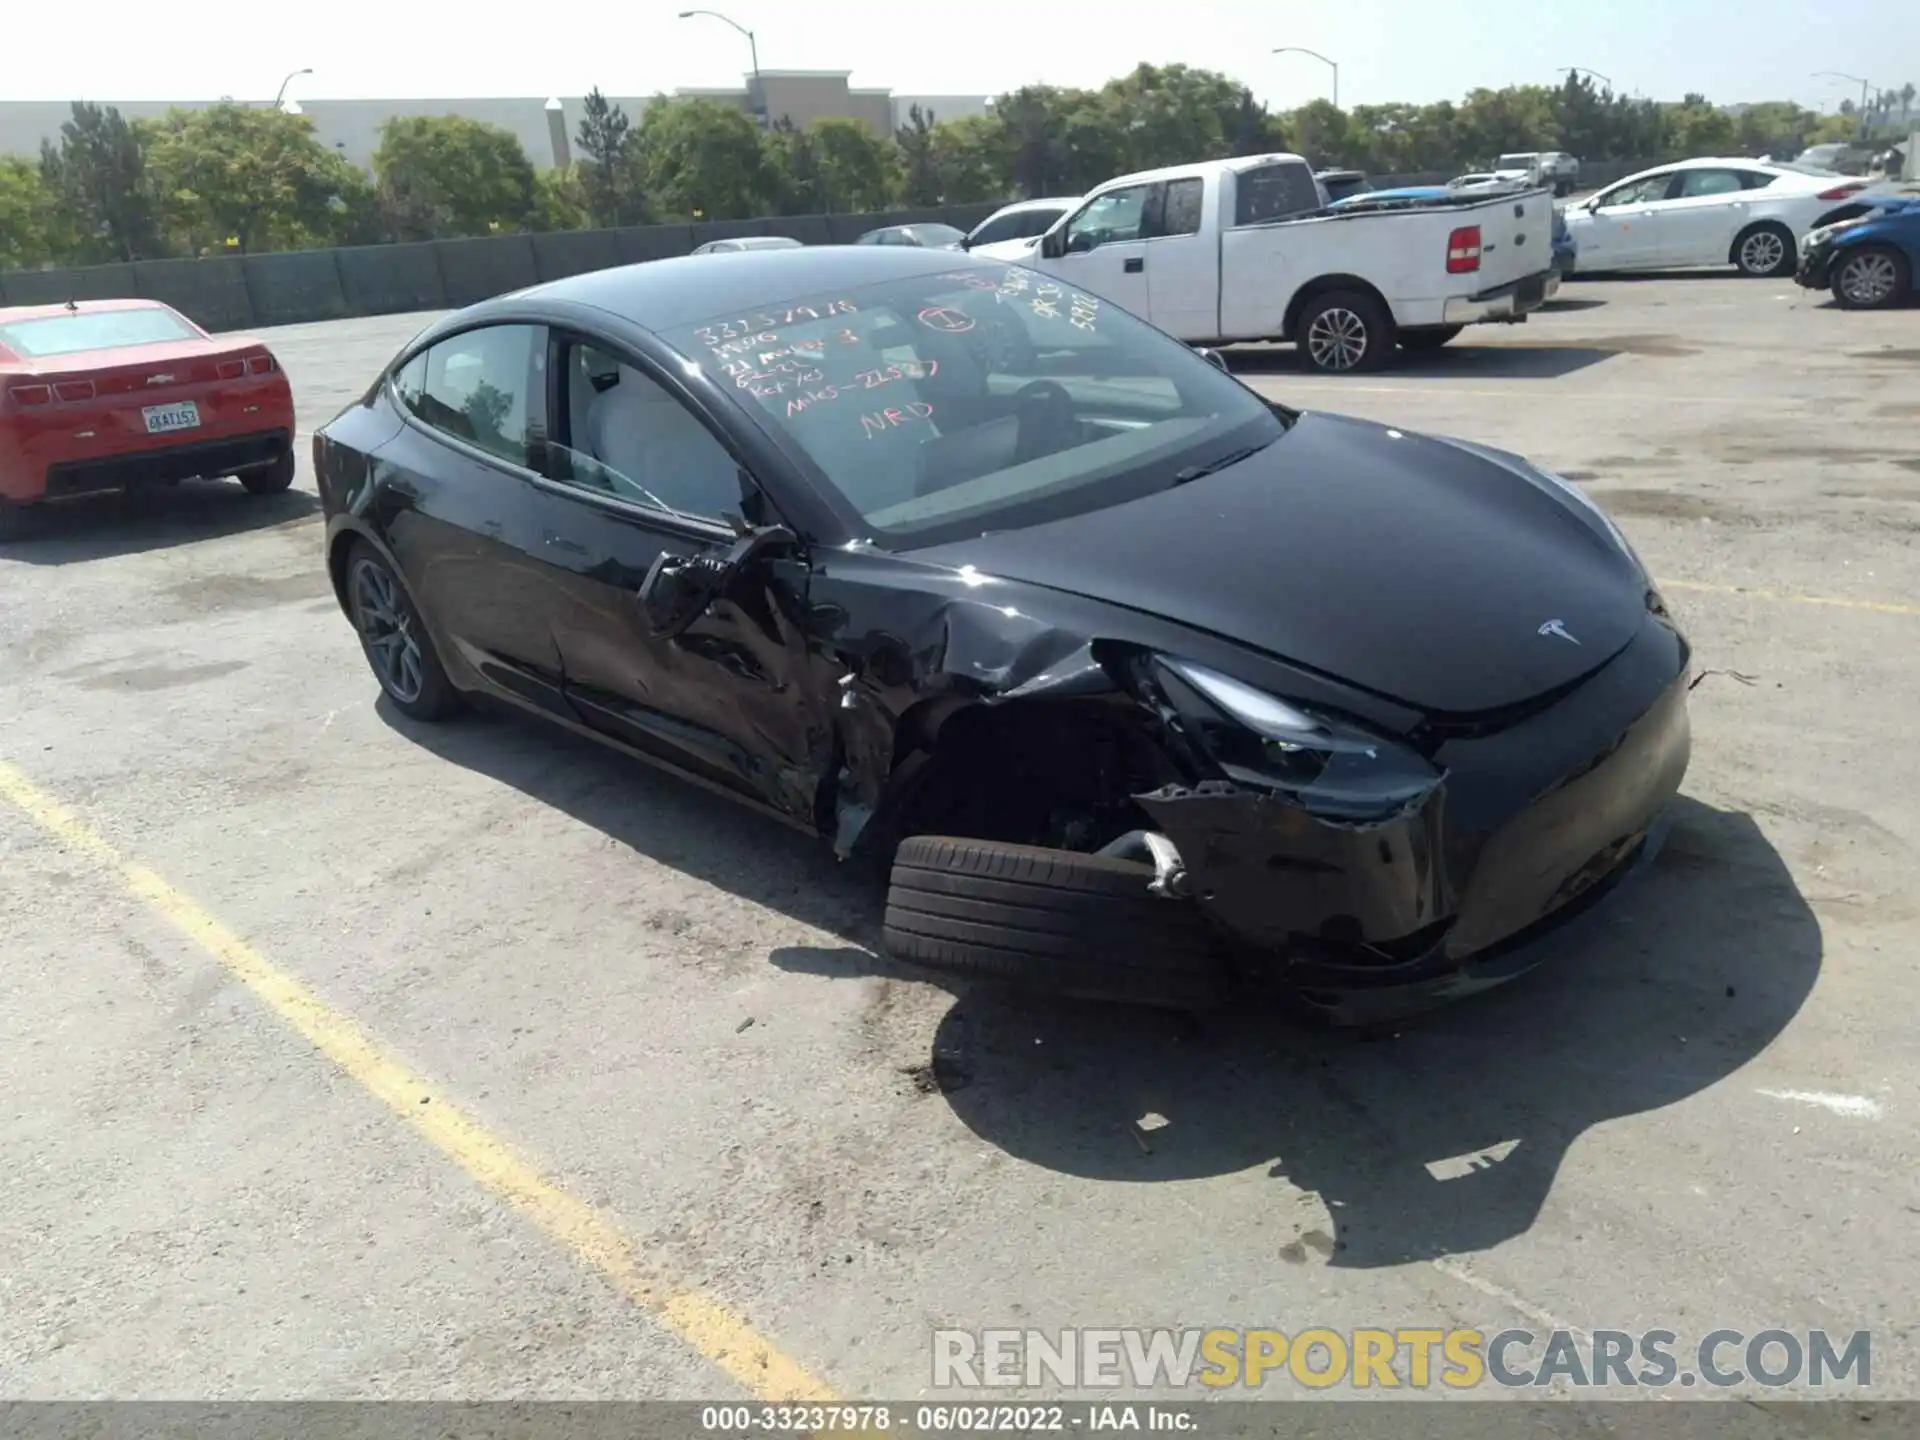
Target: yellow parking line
pixel 708 1326
pixel 1880 607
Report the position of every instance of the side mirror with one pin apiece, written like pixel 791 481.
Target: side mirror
pixel 1213 357
pixel 1080 244
pixel 679 588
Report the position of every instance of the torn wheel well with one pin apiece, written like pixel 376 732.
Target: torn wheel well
pixel 1055 772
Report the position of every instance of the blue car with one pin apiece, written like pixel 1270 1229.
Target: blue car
pixel 1868 261
pixel 1564 248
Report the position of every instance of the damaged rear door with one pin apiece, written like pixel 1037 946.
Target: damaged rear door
pixel 727 698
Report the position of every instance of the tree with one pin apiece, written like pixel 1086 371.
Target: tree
pixel 920 163
pixel 28 223
pixel 1695 127
pixel 608 175
pixel 562 199
pixel 446 175
pixel 238 174
pixel 972 158
pixel 98 174
pixel 859 170
pixel 793 168
pixel 703 160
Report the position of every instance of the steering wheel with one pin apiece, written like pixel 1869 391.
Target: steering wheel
pixel 1044 410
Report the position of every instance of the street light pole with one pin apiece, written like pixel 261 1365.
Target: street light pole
pixel 1864 85
pixel 281 94
pixel 1302 50
pixel 753 51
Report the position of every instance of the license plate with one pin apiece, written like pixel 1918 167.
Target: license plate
pixel 164 418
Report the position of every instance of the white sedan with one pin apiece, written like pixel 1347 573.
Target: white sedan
pixel 1748 213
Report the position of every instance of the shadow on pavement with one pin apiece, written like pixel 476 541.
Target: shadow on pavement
pixel 1563 303
pixel 1441 1138
pixel 99 527
pixel 1461 358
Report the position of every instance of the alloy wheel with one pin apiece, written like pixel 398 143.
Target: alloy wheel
pixel 1762 252
pixel 1868 279
pixel 1337 339
pixel 386 630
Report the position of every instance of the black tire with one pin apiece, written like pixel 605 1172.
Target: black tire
pixel 1429 339
pixel 1873 277
pixel 380 608
pixel 1344 332
pixel 1054 921
pixel 1765 251
pixel 273 479
pixel 14 521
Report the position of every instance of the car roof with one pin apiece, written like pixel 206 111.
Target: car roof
pixel 9 314
pixel 663 294
pixel 1040 203
pixel 1234 166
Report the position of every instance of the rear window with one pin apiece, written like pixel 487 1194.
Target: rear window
pixel 92 330
pixel 1274 192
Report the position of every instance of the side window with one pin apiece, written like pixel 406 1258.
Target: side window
pixel 1006 227
pixel 630 439
pixel 1640 192
pixel 475 386
pixel 1709 182
pixel 1180 211
pixel 1274 192
pixel 1036 222
pixel 1754 180
pixel 1116 215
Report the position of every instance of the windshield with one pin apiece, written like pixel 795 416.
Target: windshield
pixel 93 330
pixel 987 398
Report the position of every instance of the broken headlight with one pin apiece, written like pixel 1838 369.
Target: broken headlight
pixel 1332 766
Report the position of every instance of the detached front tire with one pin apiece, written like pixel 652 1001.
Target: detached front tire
pixel 1344 332
pixel 1055 921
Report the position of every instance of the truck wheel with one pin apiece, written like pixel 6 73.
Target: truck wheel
pixel 1429 339
pixel 1764 251
pixel 1874 277
pixel 1054 921
pixel 1343 332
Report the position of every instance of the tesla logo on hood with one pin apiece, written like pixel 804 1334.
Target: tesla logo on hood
pixel 1557 627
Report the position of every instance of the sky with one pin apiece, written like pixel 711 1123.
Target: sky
pixel 1387 50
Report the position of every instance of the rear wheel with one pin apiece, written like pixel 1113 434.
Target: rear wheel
pixel 13 520
pixel 1874 277
pixel 1055 921
pixel 1429 339
pixel 272 479
pixel 396 642
pixel 1344 332
pixel 1764 251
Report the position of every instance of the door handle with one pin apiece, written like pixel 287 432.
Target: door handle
pixel 1135 265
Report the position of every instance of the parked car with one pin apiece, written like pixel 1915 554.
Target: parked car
pixel 1555 169
pixel 1746 213
pixel 1238 250
pixel 1868 261
pixel 926 237
pixel 1143 682
pixel 1022 220
pixel 1488 180
pixel 106 394
pixel 1340 184
pixel 746 242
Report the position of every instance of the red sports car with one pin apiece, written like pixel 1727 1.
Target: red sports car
pixel 106 394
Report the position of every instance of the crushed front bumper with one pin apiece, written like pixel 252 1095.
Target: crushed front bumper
pixel 1467 887
pixel 1816 266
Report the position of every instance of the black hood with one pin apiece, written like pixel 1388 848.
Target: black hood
pixel 1425 570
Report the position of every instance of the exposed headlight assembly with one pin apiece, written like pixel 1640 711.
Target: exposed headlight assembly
pixel 1333 767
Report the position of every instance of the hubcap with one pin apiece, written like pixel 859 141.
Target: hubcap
pixel 1868 279
pixel 1337 339
pixel 386 631
pixel 1762 252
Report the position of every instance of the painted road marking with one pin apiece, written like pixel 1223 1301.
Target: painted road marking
pixel 1879 607
pixel 705 1324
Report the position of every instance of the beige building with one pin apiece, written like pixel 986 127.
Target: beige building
pixel 544 126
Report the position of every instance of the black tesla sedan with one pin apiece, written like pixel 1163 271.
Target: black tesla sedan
pixel 1147 687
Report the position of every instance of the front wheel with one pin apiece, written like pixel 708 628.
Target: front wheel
pixel 273 479
pixel 396 642
pixel 1344 332
pixel 1765 251
pixel 1873 277
pixel 1429 339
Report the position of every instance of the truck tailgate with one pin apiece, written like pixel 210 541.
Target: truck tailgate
pixel 1516 237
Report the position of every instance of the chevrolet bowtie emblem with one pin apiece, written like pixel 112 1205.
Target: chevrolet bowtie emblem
pixel 161 379
pixel 1557 627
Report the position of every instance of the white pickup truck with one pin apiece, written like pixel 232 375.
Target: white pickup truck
pixel 1231 251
